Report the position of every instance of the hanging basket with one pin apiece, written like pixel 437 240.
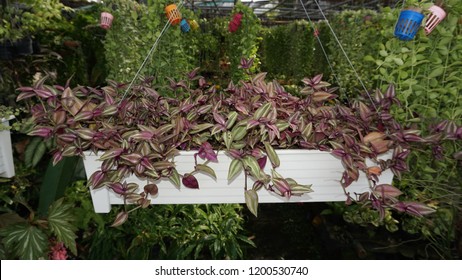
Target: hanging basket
pixel 235 23
pixel 184 26
pixel 106 20
pixel 434 18
pixel 173 15
pixel 193 23
pixel 6 151
pixel 321 169
pixel 408 24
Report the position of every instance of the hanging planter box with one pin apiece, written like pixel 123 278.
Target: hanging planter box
pixel 408 24
pixel 106 20
pixel 436 15
pixel 6 151
pixel 321 169
pixel 235 23
pixel 184 26
pixel 173 15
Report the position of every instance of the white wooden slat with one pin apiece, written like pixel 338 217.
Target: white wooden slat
pixel 320 169
pixel 6 152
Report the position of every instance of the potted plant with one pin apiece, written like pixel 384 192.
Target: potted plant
pixel 139 132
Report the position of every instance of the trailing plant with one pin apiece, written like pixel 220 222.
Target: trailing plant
pixel 141 133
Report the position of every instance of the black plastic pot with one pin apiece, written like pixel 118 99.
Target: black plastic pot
pixel 6 51
pixel 23 46
pixel 36 47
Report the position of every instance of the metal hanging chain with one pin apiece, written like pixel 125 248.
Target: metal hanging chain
pixel 151 51
pixel 346 56
pixel 320 44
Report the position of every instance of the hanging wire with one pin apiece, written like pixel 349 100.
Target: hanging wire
pixel 151 51
pixel 320 44
pixel 345 54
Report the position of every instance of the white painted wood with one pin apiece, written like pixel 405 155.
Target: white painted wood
pixel 320 169
pixel 6 152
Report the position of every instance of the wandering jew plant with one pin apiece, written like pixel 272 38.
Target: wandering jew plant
pixel 141 132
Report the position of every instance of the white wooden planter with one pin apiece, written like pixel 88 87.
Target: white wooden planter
pixel 6 152
pixel 320 169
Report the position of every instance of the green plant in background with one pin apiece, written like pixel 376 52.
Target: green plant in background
pixel 426 72
pixel 34 238
pixel 213 59
pixel 356 30
pixel 78 41
pixel 288 51
pixel 26 17
pixel 36 222
pixel 165 232
pixel 135 29
pixel 244 42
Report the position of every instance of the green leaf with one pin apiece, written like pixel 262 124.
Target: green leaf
pixel 60 220
pixel 232 117
pixel 251 200
pixel 251 164
pixel 201 127
pixel 228 139
pixel 238 132
pixel 57 178
pixel 234 168
pixel 207 170
pixel 272 155
pixel 34 151
pixel 26 241
pixel 436 72
pixel 398 61
pixel 175 178
pixel 263 111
